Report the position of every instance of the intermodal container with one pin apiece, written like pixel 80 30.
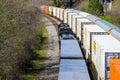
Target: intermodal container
pixel 69 18
pixel 88 31
pixel 80 23
pixel 61 14
pixel 84 14
pixel 42 8
pixel 93 18
pixel 50 10
pixel 55 11
pixel 74 22
pixel 58 12
pixel 66 11
pixel 73 70
pixel 46 10
pixel 114 69
pixel 104 47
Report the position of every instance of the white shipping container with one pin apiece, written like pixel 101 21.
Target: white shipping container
pixel 70 49
pixel 69 18
pixel 54 11
pixel 88 31
pixel 58 12
pixel 42 8
pixel 66 14
pixel 50 10
pixel 104 47
pixel 61 14
pixel 73 24
pixel 73 70
pixel 84 14
pixel 93 18
pixel 80 23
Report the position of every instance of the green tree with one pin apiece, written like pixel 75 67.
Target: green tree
pixel 95 7
pixel 18 26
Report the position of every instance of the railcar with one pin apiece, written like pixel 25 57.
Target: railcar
pixel 73 70
pixel 69 49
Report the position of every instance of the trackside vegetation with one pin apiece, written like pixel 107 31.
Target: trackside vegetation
pixel 95 7
pixel 39 56
pixel 22 40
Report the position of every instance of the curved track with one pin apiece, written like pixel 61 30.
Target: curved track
pixel 52 63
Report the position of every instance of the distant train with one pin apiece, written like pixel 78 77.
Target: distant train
pixel 99 39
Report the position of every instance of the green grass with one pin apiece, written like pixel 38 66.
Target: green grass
pixel 38 63
pixel 41 55
pixel 107 18
pixel 28 77
pixel 45 32
pixel 111 19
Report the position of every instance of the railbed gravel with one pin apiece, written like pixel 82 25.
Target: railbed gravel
pixel 52 63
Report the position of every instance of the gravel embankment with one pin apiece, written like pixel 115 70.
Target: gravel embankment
pixel 52 63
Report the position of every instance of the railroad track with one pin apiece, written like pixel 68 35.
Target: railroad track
pixel 50 72
pixel 55 22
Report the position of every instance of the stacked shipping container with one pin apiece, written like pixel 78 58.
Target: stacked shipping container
pixel 61 14
pixel 74 21
pixel 66 11
pixel 70 18
pixel 104 47
pixel 80 23
pixel 88 31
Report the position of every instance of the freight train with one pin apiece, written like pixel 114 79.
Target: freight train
pixel 99 39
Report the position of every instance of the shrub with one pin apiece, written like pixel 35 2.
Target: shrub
pixel 83 5
pixel 95 7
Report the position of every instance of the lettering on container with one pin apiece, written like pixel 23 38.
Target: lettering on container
pixel 94 47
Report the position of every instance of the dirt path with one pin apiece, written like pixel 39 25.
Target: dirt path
pixel 52 64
